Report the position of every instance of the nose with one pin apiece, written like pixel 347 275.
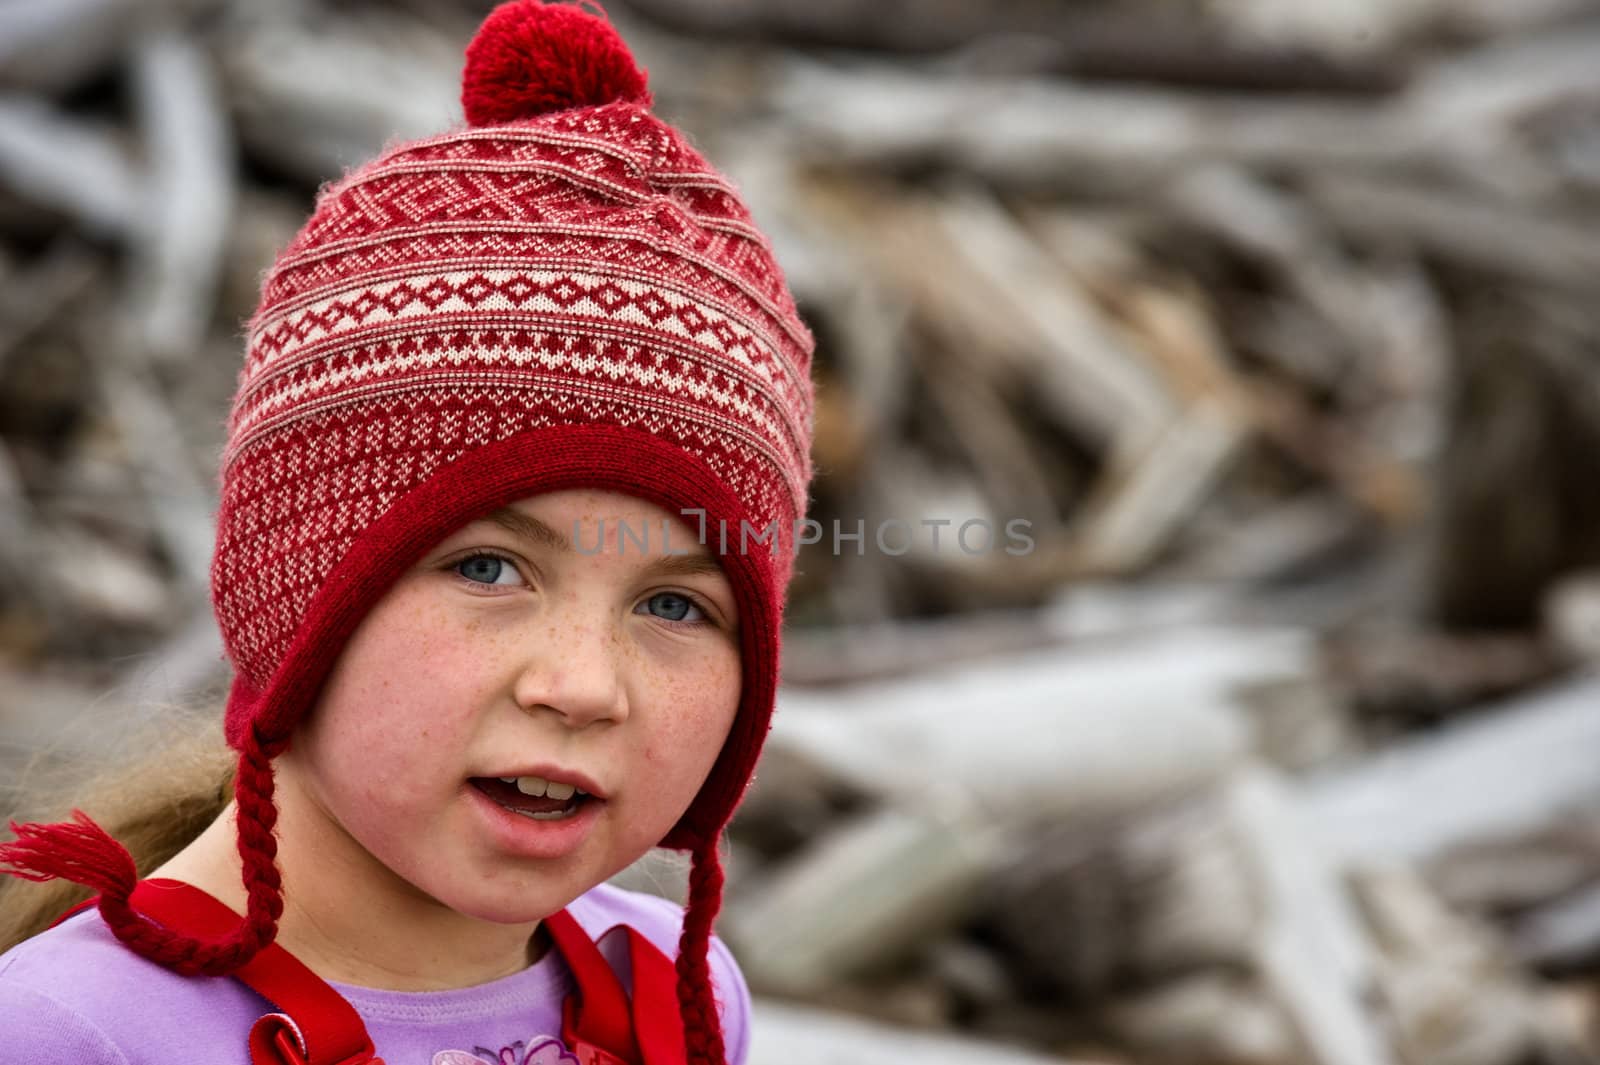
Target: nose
pixel 573 669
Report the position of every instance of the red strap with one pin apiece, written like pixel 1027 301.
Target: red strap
pixel 594 1019
pixel 599 1023
pixel 317 1025
pixel 79 908
pixel 656 1020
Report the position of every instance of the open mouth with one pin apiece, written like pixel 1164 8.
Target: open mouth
pixel 515 796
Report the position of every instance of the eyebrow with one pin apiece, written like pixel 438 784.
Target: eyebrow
pixel 530 528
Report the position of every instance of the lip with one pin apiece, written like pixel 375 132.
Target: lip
pixel 528 838
pixel 556 775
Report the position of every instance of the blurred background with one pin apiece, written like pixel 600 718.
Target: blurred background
pixel 1275 323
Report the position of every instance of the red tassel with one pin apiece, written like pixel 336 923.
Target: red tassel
pixel 80 851
pixel 83 853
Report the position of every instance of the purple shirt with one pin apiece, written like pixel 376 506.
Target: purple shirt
pixel 74 994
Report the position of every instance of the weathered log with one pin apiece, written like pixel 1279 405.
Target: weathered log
pixel 1512 877
pixel 1312 951
pixel 1089 731
pixel 34 297
pixel 783 1034
pixel 1419 797
pixel 190 193
pixel 1445 984
pixel 1148 43
pixel 1361 28
pixel 1138 508
pixel 1549 248
pixel 68 165
pixel 863 897
pixel 1484 94
pixel 314 100
pixel 1204 1017
pixel 178 499
pixel 106 584
pixel 860 653
pixel 1375 342
pixel 1059 136
pixel 57 45
pixel 999 291
pixel 1275 543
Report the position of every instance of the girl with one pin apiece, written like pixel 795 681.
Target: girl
pixel 507 513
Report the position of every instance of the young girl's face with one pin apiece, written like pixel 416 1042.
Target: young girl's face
pixel 524 646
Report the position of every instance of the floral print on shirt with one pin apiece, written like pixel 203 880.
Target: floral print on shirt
pixel 540 1050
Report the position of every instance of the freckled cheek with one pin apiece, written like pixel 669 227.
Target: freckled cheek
pixel 391 731
pixel 697 715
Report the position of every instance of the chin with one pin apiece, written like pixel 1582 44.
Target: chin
pixel 507 905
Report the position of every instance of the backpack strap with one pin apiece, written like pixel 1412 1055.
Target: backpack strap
pixel 599 1022
pixel 76 909
pixel 315 1025
pixel 594 1019
pixel 656 1021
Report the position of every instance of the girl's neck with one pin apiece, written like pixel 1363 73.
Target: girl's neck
pixel 350 938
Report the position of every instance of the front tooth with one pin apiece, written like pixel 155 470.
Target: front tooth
pixel 534 786
pixel 559 792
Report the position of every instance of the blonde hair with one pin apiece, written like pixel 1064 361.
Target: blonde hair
pixel 174 777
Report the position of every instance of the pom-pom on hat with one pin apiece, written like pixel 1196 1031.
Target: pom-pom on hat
pixel 561 294
pixel 529 59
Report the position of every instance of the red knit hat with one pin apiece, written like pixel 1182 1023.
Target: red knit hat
pixel 562 294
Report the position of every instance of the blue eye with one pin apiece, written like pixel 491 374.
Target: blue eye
pixel 674 607
pixel 487 569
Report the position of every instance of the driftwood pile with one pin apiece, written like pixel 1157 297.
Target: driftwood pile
pixel 1272 326
pixel 1100 853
